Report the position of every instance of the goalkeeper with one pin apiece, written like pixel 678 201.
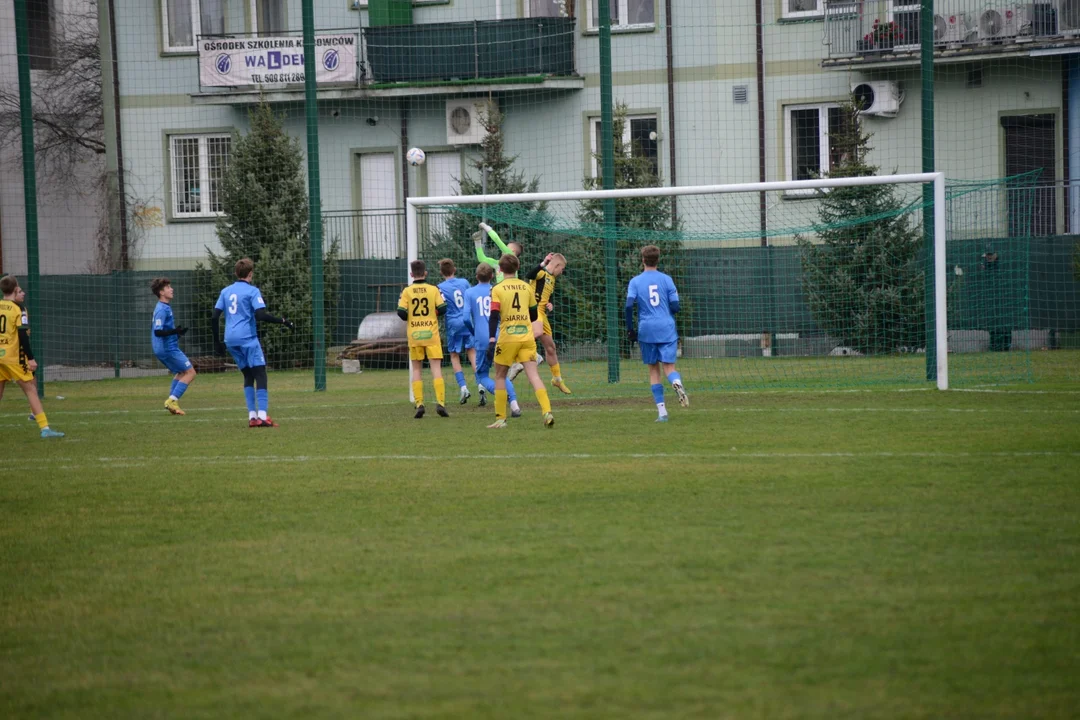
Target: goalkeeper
pixel 512 248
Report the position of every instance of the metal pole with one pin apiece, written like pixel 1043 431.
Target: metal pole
pixel 311 108
pixel 926 40
pixel 483 191
pixel 26 117
pixel 607 165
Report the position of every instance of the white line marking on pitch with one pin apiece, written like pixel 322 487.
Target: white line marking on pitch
pixel 143 461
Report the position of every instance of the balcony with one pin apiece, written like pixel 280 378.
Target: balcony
pixel 886 33
pixel 423 59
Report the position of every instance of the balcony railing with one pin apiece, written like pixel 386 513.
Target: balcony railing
pixel 890 29
pixel 470 50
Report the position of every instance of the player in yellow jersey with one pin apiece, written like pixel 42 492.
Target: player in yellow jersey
pixel 542 279
pixel 16 359
pixel 420 305
pixel 514 315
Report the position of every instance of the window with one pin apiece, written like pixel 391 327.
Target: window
pixel 810 154
pixel 185 20
pixel 198 167
pixel 39 22
pixel 639 136
pixel 906 13
pixel 802 8
pixel 364 3
pixel 270 17
pixel 546 8
pixel 625 13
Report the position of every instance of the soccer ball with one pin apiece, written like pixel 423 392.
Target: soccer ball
pixel 415 156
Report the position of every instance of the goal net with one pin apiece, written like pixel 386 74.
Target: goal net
pixel 833 283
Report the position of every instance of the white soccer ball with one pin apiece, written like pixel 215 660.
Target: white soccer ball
pixel 415 156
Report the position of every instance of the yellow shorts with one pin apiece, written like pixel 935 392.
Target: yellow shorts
pixel 508 353
pixel 419 352
pixel 547 325
pixel 16 373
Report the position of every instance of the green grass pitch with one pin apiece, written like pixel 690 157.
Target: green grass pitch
pixel 881 553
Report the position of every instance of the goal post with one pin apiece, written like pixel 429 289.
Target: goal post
pixel 506 212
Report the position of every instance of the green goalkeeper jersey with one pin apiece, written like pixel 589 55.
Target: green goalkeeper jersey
pixel 493 262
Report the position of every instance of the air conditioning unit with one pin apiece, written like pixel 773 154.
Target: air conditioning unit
pixel 1001 23
pixel 951 29
pixel 879 97
pixel 1068 17
pixel 463 121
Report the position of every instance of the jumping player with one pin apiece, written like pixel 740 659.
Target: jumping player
pixel 243 307
pixel 420 305
pixel 458 336
pixel 542 279
pixel 657 301
pixel 165 341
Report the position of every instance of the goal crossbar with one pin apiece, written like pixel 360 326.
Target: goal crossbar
pixel 937 179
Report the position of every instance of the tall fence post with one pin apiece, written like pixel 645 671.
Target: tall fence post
pixel 311 109
pixel 26 118
pixel 607 163
pixel 926 41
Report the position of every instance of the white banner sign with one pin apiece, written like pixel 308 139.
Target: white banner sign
pixel 227 62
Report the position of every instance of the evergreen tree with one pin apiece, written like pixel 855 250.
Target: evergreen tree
pixel 864 281
pixel 265 217
pixel 450 235
pixel 639 222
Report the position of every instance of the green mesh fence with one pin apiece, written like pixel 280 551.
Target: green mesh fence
pixel 171 138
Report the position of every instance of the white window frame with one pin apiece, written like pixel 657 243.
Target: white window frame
pixel 362 4
pixel 204 174
pixel 594 131
pixel 255 16
pixel 528 9
pixel 799 14
pixel 196 27
pixel 624 11
pixel 823 137
pixel 897 7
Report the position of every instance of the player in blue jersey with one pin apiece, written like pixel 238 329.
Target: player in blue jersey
pixel 458 337
pixel 165 341
pixel 243 307
pixel 657 301
pixel 478 300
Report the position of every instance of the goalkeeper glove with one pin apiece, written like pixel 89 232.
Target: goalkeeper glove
pixel 478 238
pixel 181 330
pixel 219 348
pixel 485 227
pixel 631 335
pixel 288 323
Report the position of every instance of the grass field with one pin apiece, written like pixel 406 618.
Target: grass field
pixel 868 554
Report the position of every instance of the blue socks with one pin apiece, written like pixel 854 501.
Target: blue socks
pixel 489 385
pixel 674 377
pixel 172 388
pixel 658 393
pixel 178 389
pixel 249 397
pixel 263 396
pixel 460 377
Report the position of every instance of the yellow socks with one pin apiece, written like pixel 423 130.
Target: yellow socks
pixel 500 404
pixel 556 371
pixel 542 398
pixel 418 391
pixel 440 391
pixel 42 422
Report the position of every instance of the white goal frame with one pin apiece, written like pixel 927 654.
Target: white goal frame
pixel 940 227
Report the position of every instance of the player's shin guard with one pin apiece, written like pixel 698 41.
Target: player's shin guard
pixel 41 420
pixel 179 388
pixel 674 377
pixel 460 377
pixel 556 371
pixel 510 392
pixel 249 397
pixel 262 399
pixel 418 392
pixel 440 391
pixel 542 398
pixel 500 404
pixel 172 389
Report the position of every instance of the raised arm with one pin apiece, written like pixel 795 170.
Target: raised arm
pixel 495 239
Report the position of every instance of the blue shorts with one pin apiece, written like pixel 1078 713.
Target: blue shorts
pixel 175 361
pixel 458 340
pixel 248 355
pixel 652 353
